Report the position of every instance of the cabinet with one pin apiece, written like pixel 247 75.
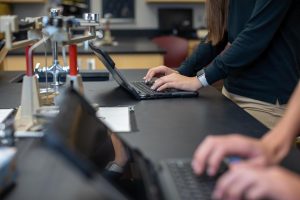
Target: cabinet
pixel 192 45
pixel 123 61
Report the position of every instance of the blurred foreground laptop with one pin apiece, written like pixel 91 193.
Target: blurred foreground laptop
pixel 86 142
pixel 139 89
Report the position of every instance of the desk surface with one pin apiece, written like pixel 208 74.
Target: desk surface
pixel 167 128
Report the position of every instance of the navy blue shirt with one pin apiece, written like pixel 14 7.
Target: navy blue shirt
pixel 263 61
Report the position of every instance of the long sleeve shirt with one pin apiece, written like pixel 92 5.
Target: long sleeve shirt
pixel 263 61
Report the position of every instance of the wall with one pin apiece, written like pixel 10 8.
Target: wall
pixel 146 14
pixel 29 10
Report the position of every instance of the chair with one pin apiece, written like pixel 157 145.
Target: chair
pixel 176 49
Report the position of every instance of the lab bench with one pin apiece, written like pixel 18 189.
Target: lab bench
pixel 131 53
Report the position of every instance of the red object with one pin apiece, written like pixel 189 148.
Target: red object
pixel 176 49
pixel 73 59
pixel 29 62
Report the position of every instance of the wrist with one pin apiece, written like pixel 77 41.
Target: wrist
pixel 197 84
pixel 282 134
pixel 276 145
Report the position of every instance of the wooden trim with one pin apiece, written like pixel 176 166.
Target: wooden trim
pixel 132 61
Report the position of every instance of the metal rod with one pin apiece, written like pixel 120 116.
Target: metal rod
pixel 55 52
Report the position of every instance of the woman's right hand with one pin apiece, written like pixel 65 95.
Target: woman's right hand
pixel 246 182
pixel 214 149
pixel 158 72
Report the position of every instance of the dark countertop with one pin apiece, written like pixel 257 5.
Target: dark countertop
pixel 166 128
pixel 124 46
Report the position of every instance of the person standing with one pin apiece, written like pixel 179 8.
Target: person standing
pixel 254 46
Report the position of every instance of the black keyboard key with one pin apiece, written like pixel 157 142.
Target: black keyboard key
pixel 146 88
pixel 188 184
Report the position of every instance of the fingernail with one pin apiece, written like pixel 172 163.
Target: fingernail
pixel 194 165
pixel 196 168
pixel 211 172
pixel 216 195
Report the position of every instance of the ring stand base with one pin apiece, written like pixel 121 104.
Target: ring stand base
pixel 76 81
pixel 30 102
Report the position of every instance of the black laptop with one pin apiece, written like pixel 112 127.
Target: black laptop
pixel 86 142
pixel 139 89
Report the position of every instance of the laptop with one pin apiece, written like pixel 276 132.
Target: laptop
pixel 139 89
pixel 88 144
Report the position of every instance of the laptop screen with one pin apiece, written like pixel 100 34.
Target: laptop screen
pixel 77 127
pixel 110 65
pixel 86 142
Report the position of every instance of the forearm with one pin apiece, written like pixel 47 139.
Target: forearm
pixel 279 178
pixel 284 133
pixel 201 57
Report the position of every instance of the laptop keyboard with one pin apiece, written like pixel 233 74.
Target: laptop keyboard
pixel 146 88
pixel 189 185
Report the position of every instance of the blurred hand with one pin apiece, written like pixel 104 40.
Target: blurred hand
pixel 177 81
pixel 158 72
pixel 244 182
pixel 121 156
pixel 214 149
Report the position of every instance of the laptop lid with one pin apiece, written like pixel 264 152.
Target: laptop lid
pixel 111 67
pixel 88 144
pixel 77 127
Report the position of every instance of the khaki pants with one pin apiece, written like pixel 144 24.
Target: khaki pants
pixel 266 113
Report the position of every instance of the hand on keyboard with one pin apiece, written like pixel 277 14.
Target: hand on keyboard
pixel 150 83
